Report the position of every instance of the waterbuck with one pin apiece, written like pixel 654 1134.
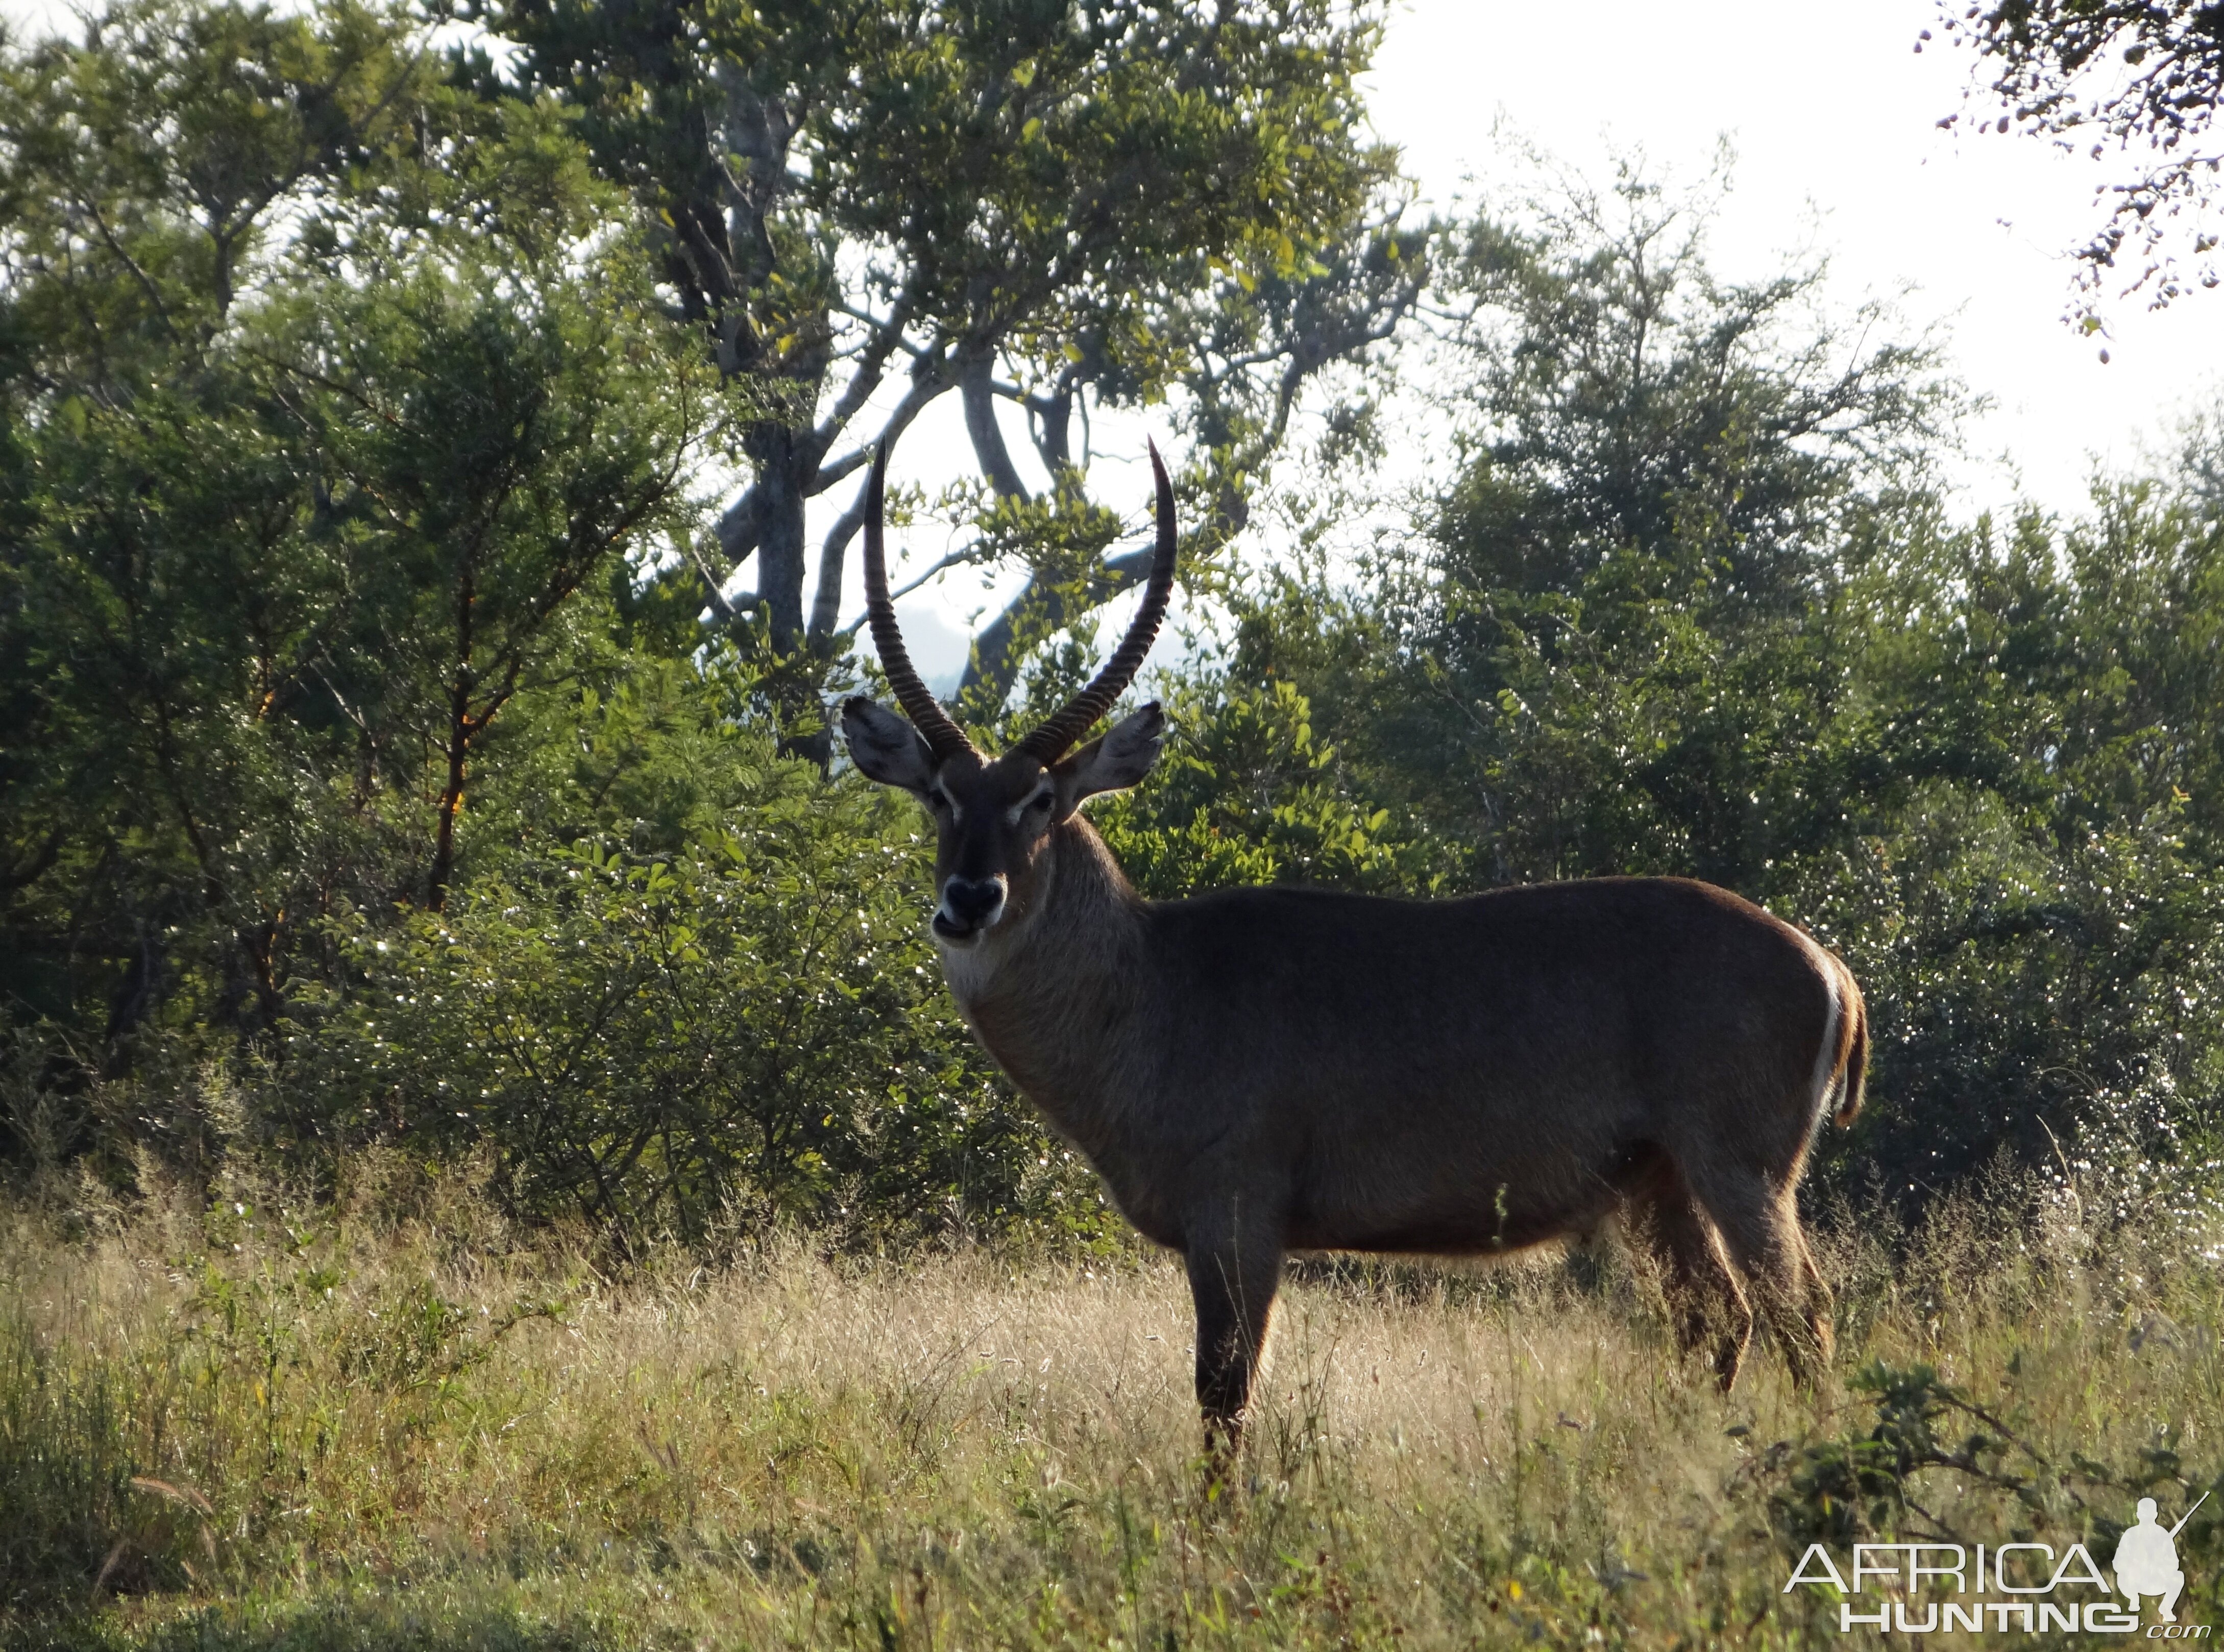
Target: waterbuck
pixel 1260 1071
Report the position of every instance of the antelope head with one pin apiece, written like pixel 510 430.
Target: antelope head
pixel 995 816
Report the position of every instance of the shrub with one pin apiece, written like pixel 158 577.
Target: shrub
pixel 732 1017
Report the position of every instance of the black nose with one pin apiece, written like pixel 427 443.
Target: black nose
pixel 972 901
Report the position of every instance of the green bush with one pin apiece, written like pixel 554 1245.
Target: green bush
pixel 671 1025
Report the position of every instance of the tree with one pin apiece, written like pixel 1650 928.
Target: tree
pixel 1042 206
pixel 1619 399
pixel 330 408
pixel 2059 70
pixel 1659 470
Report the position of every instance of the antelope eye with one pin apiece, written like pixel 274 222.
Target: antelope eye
pixel 1040 800
pixel 938 797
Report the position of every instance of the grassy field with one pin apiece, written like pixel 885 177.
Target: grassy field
pixel 241 1426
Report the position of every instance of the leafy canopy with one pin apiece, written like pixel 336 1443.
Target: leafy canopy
pixel 1047 208
pixel 2130 78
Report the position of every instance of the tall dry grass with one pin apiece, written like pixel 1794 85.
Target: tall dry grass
pixel 251 1424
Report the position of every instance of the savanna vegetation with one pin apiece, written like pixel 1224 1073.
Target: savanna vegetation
pixel 394 1419
pixel 488 1158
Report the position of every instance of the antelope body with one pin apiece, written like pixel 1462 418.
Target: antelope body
pixel 1261 1070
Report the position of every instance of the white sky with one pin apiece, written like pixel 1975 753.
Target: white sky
pixel 1832 118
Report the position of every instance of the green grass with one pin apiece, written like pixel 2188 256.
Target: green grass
pixel 250 1427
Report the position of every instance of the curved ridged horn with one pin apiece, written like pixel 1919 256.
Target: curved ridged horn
pixel 1048 741
pixel 943 738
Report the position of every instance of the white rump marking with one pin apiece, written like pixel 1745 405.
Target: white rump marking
pixel 1826 1059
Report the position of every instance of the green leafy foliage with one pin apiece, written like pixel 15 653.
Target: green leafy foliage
pixel 325 458
pixel 1246 795
pixel 690 1021
pixel 1044 208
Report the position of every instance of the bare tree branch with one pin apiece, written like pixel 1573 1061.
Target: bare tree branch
pixel 975 385
pixel 872 367
pixel 971 554
pixel 826 603
pixel 995 665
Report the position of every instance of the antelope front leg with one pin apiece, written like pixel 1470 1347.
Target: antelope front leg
pixel 1233 1274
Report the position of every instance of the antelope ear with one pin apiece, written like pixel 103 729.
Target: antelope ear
pixel 885 747
pixel 1115 761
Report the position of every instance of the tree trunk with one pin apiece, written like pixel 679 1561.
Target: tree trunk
pixel 976 367
pixel 779 543
pixel 459 743
pixel 786 461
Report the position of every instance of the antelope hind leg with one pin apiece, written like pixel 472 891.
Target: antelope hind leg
pixel 1760 1226
pixel 1708 1308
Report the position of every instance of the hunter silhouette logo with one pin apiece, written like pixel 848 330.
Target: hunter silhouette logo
pixel 1925 1588
pixel 2146 1560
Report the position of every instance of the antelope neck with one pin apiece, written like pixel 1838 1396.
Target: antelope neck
pixel 1053 999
